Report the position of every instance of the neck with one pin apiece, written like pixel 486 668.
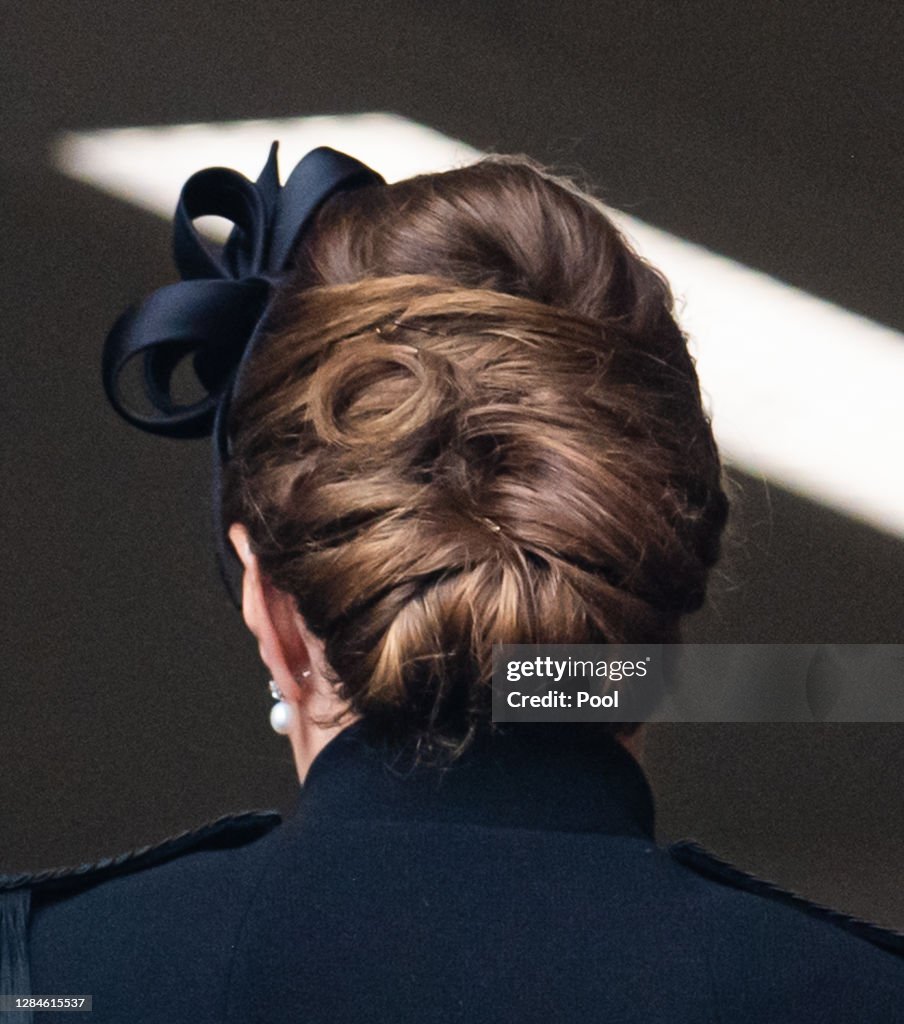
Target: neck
pixel 315 725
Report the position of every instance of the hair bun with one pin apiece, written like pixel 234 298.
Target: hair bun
pixel 474 421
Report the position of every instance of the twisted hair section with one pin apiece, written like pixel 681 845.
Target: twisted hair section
pixel 474 420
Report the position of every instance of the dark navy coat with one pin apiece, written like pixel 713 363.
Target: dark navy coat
pixel 522 885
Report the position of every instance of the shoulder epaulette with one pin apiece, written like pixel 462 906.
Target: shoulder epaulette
pixel 695 856
pixel 229 831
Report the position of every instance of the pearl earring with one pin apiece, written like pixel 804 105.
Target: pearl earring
pixel 282 714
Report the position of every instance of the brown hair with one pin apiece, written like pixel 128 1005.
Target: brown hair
pixel 473 420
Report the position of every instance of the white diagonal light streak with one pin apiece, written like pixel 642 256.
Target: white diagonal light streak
pixel 802 392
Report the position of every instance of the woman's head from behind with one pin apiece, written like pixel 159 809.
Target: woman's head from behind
pixel 473 420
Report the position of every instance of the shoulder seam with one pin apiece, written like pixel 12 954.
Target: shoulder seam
pixel 239 828
pixel 695 856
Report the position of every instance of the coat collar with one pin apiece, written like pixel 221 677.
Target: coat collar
pixel 549 777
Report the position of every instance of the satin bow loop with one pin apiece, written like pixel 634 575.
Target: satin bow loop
pixel 212 314
pixel 212 317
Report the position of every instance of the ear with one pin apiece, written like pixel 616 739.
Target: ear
pixel 270 615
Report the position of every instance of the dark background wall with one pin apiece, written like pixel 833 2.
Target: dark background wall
pixel 133 704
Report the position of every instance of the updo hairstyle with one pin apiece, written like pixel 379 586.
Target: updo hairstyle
pixel 473 420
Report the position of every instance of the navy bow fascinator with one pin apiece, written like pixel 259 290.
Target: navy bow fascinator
pixel 213 315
